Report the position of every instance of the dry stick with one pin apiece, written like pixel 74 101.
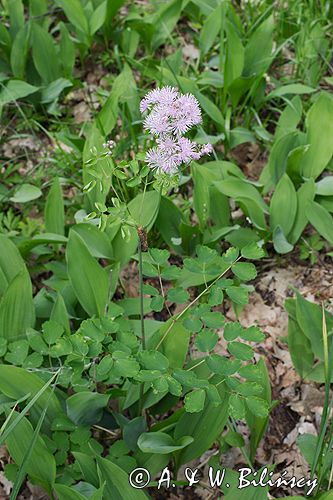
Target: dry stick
pixel 181 314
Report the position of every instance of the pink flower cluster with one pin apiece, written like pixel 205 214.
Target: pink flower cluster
pixel 170 115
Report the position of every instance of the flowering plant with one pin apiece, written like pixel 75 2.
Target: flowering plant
pixel 170 116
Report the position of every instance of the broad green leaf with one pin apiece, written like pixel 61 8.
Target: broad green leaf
pixel 86 408
pixel 168 222
pixel 300 349
pixel 153 360
pixel 98 17
pixel 289 118
pixel 161 443
pixel 38 8
pixel 204 427
pixel 193 324
pixel 126 367
pixel 132 430
pixel 325 186
pixel 19 51
pixel 240 350
pixel 44 54
pixel 278 159
pixel 195 400
pixel 144 208
pixel 250 372
pixel 124 249
pixel 239 87
pixel 18 352
pixel 97 241
pixel 257 423
pixel 309 318
pixel 15 90
pixel 107 117
pixel 238 295
pixel 206 340
pixel 17 312
pixel 25 193
pixel 178 295
pixel 208 201
pixel 222 365
pixel 237 407
pixel 280 242
pixel 89 280
pixel 234 439
pixel 40 239
pixel 175 342
pixel 252 251
pixel 305 195
pixel 112 8
pixel 16 15
pixel 54 209
pixel 66 493
pixel 293 88
pixel 259 407
pixel 210 108
pixel 246 194
pixel 240 237
pixel 87 466
pixel 258 51
pixel 239 135
pixel 75 14
pixel 164 20
pixel 94 142
pixel 52 92
pixel 59 313
pixel 116 481
pixel 41 466
pixel 210 29
pixel 232 331
pixel 213 319
pixel 11 262
pixel 321 220
pixel 6 41
pixel 67 49
pixel 235 55
pixel 159 256
pixel 244 271
pixel 307 443
pixel 252 334
pixel 319 134
pixel 283 206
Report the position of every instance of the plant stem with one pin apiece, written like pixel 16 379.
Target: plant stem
pixel 317 458
pixel 143 336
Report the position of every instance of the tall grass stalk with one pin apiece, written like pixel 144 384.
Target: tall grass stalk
pixel 324 441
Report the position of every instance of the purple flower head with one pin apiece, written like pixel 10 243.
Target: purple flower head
pixel 170 115
pixel 165 96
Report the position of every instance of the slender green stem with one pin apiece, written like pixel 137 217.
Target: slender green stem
pixel 327 406
pixel 143 336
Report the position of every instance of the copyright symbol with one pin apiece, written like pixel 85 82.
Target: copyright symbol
pixel 139 478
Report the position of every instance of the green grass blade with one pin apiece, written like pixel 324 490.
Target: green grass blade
pixel 12 426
